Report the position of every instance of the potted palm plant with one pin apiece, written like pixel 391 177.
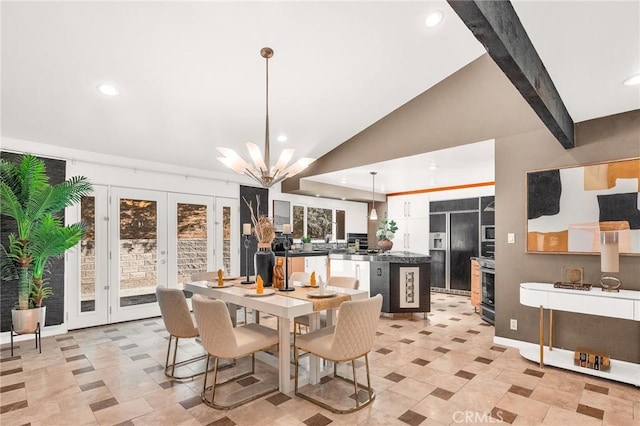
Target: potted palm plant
pixel 40 237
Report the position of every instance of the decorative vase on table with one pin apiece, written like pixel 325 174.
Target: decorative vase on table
pixel 264 261
pixel 385 245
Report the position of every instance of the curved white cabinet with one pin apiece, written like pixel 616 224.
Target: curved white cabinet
pixel 624 304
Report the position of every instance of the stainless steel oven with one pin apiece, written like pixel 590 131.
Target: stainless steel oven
pixel 488 276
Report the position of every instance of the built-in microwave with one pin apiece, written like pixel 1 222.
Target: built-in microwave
pixel 488 233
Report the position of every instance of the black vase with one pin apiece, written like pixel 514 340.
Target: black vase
pixel 264 261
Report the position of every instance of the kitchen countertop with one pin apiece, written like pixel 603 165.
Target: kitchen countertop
pixel 391 257
pixel 300 253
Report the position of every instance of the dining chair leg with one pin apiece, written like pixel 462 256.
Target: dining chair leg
pixel 166 363
pixel 355 382
pixel 175 357
pixel 366 361
pixel 171 364
pixel 206 374
pixel 215 380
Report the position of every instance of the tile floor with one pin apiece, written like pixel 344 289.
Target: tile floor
pixel 436 371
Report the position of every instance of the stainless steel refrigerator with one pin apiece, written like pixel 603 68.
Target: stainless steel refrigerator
pixel 453 241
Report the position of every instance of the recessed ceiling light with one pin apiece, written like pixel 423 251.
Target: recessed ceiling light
pixel 108 89
pixel 317 195
pixel 282 138
pixel 342 198
pixel 433 19
pixel 432 167
pixel 633 80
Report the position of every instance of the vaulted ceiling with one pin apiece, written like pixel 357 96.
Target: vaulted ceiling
pixel 191 77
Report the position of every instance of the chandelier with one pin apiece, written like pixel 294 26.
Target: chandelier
pixel 261 169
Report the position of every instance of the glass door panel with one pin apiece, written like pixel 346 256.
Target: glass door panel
pixel 227 246
pixel 88 256
pixel 139 261
pixel 89 288
pixel 191 220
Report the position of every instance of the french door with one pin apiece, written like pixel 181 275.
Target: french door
pixel 88 289
pixel 139 239
pixel 137 253
pixel 191 237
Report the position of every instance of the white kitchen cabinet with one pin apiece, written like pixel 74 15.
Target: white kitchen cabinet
pixel 363 274
pixel 408 206
pixel 411 213
pixel 352 268
pixel 317 264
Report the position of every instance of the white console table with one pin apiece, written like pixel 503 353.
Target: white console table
pixel 624 304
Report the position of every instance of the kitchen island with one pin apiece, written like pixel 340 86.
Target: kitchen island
pixel 402 278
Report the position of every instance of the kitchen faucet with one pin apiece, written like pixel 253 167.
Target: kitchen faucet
pixel 327 237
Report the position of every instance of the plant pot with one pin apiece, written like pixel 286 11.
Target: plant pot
pixel 307 247
pixel 385 245
pixel 264 261
pixel 26 320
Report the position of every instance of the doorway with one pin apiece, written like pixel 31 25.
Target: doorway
pixel 137 240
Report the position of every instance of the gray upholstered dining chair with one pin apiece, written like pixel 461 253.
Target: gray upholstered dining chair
pixel 179 323
pixel 351 338
pixel 222 341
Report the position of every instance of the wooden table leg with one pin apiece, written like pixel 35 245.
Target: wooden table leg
pixel 541 337
pixel 550 329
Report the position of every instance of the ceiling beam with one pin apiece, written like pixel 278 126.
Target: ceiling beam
pixel 497 26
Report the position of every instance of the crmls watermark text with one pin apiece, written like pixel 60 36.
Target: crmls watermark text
pixel 478 417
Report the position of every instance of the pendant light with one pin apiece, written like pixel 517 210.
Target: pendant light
pixel 374 213
pixel 261 170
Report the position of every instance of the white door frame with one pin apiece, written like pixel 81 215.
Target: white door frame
pixel 100 315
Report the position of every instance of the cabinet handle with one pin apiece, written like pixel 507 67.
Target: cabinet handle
pixel 408 241
pixel 408 208
pixel 357 271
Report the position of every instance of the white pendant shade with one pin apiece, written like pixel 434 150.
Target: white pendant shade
pixel 374 214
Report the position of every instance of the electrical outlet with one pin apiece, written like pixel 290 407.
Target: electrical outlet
pixel 511 238
pixel 514 324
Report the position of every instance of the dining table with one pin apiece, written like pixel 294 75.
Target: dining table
pixel 285 305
